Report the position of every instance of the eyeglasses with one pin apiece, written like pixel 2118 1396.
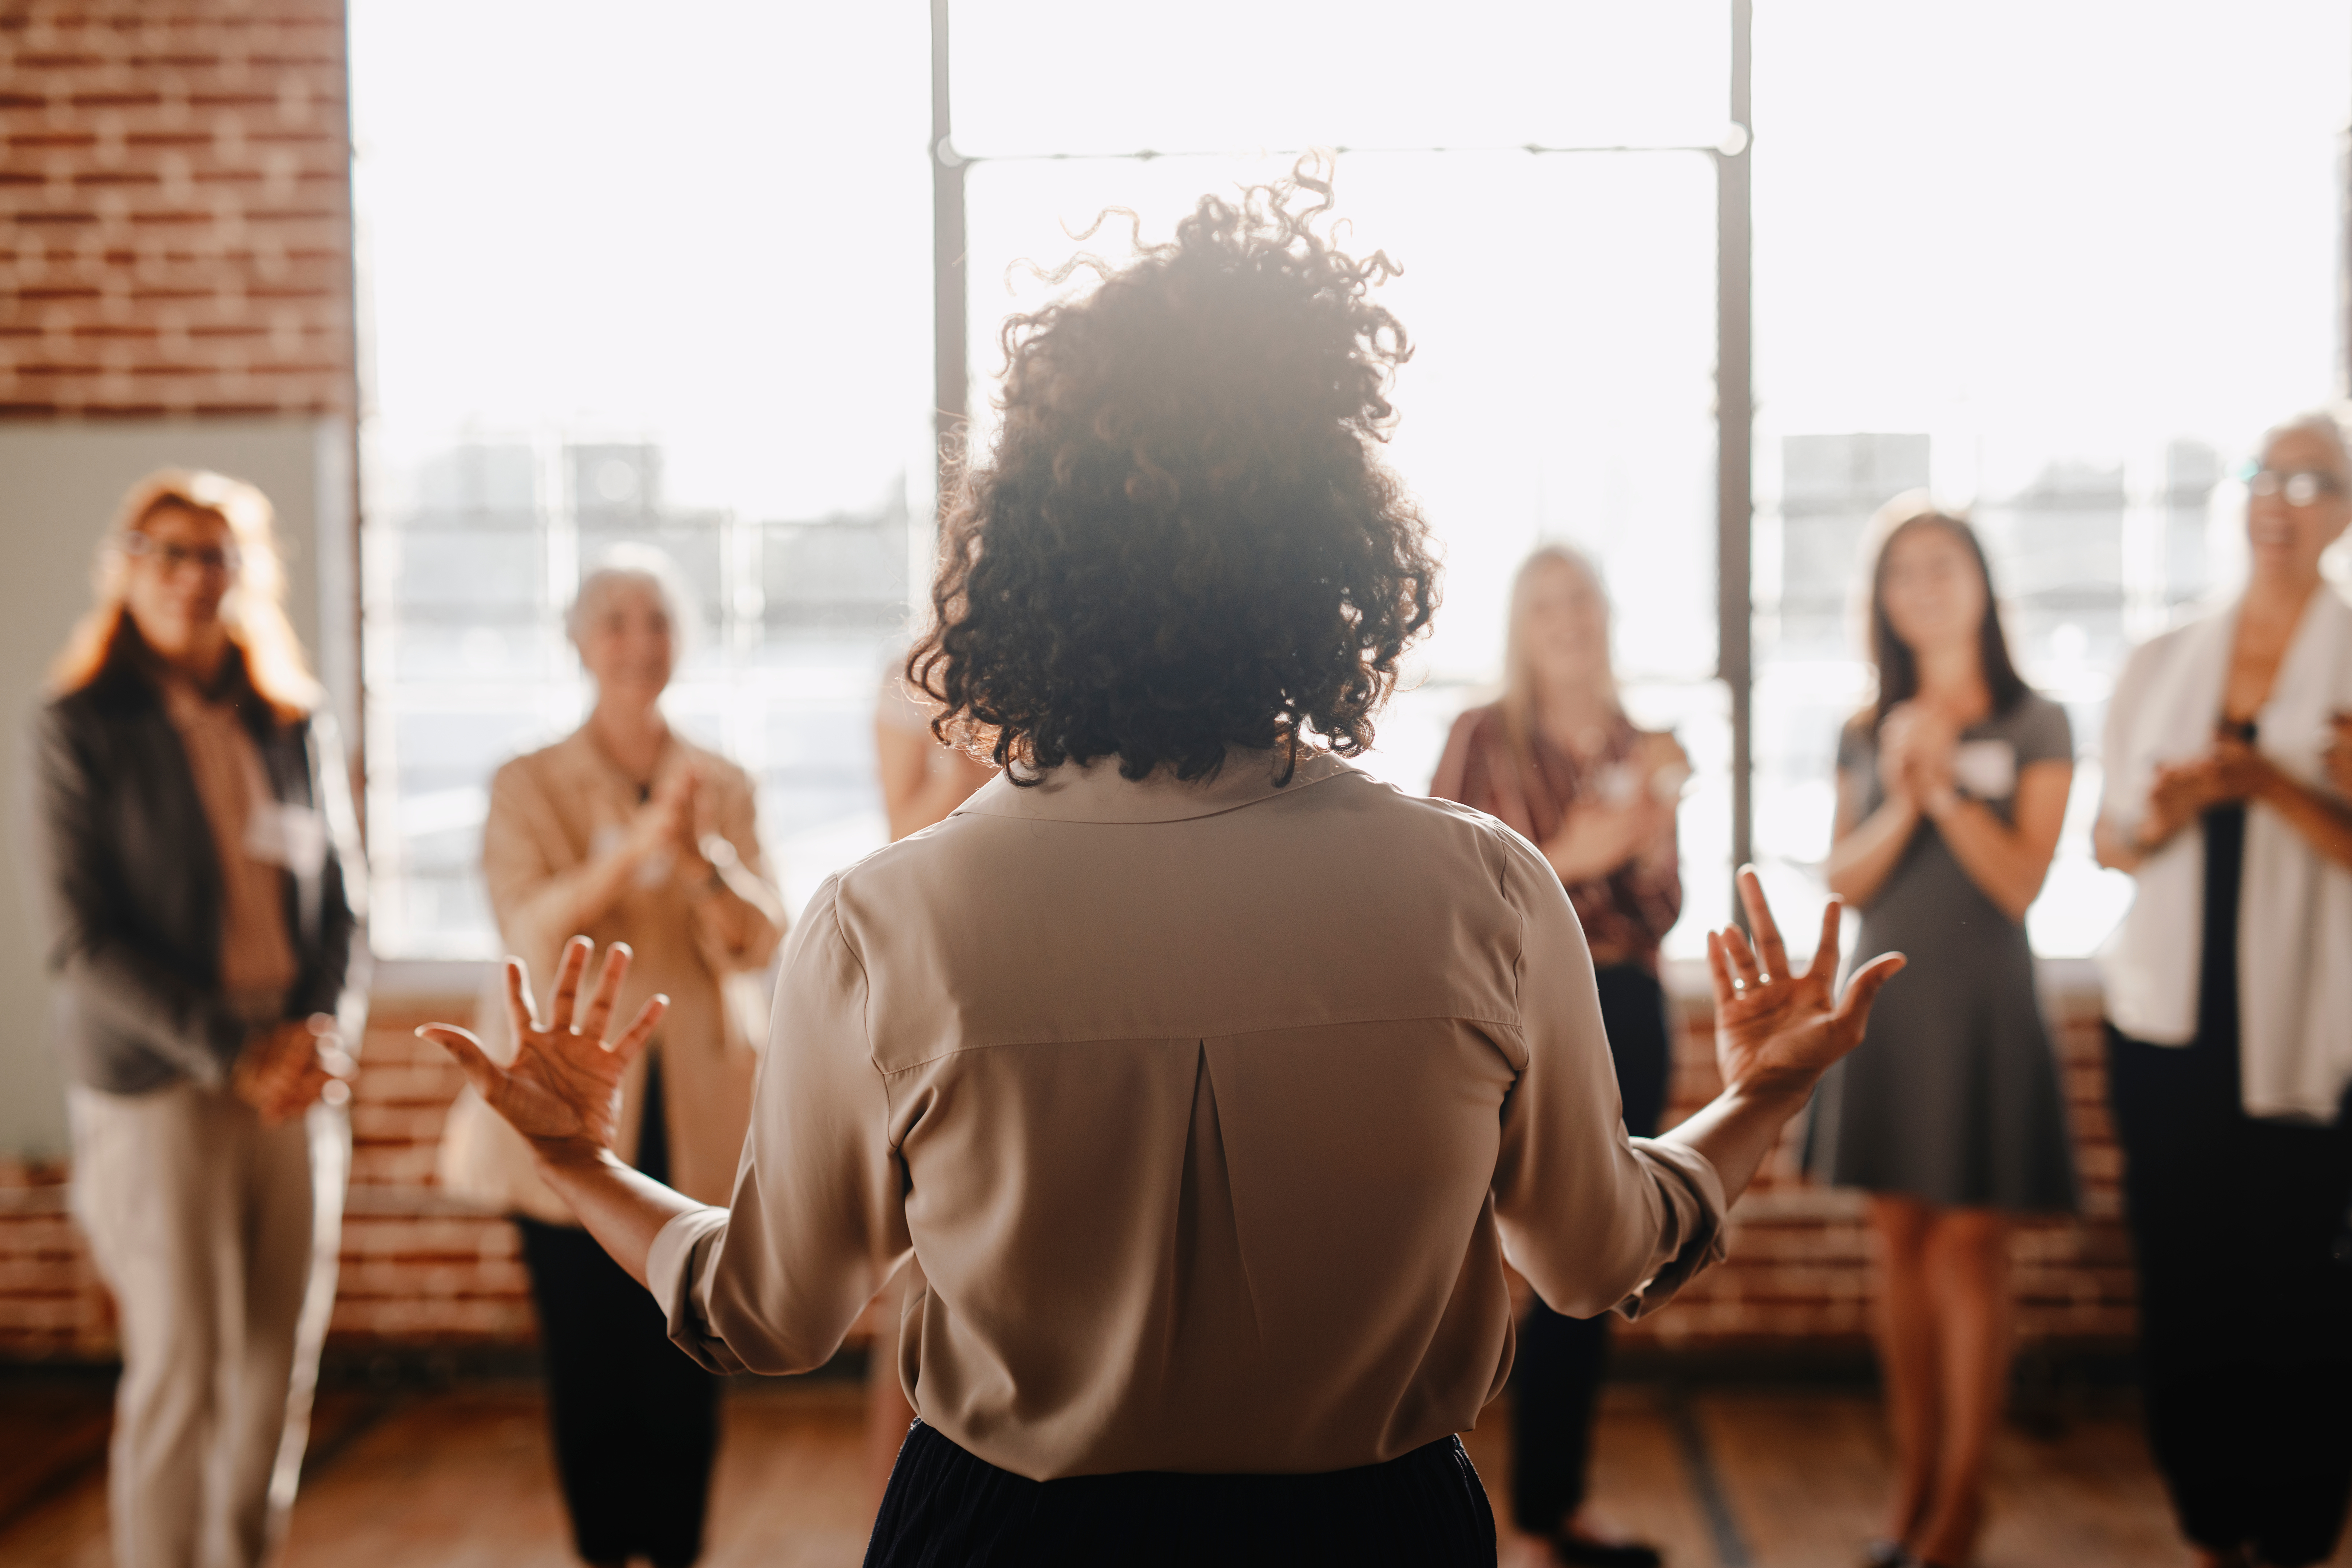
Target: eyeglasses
pixel 219 560
pixel 2297 487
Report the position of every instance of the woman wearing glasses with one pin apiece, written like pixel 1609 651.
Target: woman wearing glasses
pixel 2229 991
pixel 204 892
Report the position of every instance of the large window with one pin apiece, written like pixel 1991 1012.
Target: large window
pixel 658 276
pixel 1558 286
pixel 668 278
pixel 2061 264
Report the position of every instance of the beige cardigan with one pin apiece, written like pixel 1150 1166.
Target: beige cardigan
pixel 1203 1115
pixel 551 813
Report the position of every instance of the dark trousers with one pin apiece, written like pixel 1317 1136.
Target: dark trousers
pixel 634 1421
pixel 1556 1377
pixel 948 1508
pixel 2245 1309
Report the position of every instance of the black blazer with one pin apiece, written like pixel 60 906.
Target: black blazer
pixel 133 883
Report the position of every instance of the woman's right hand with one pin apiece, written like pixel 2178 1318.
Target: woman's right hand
pixel 1916 746
pixel 562 1091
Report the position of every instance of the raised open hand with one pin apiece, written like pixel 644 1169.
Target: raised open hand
pixel 562 1090
pixel 1776 1029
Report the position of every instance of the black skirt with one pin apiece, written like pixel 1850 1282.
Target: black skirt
pixel 947 1508
pixel 633 1420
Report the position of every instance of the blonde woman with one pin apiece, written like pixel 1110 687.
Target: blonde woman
pixel 1558 759
pixel 629 832
pixel 205 896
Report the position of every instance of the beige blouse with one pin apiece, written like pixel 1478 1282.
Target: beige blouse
pixel 1208 1114
pixel 256 957
pixel 553 811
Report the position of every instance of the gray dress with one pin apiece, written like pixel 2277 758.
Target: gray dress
pixel 1953 1095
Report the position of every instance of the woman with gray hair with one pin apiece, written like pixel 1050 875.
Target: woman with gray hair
pixel 2229 1025
pixel 627 832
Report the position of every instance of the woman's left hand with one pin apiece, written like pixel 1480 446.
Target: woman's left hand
pixel 1775 1029
pixel 562 1091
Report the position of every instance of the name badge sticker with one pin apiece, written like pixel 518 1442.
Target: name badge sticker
pixel 294 837
pixel 1986 769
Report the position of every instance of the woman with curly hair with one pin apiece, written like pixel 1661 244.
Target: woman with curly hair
pixel 1199 1083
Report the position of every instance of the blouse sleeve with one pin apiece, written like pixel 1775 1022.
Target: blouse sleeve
pixel 772 1282
pixel 1595 1219
pixel 737 822
pixel 534 904
pixel 2046 735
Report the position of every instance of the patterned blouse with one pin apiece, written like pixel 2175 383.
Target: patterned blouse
pixel 1625 914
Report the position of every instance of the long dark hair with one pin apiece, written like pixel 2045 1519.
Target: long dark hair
pixel 1898 666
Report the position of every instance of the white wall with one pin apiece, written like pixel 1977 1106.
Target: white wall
pixel 59 486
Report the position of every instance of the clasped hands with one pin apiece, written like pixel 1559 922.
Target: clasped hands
pixel 1597 837
pixel 290 1065
pixel 1917 746
pixel 562 1090
pixel 2183 791
pixel 665 824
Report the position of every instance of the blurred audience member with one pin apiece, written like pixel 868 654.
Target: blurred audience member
pixel 2229 991
pixel 1951 790
pixel 631 834
pixel 1558 759
pixel 206 895
pixel 922 780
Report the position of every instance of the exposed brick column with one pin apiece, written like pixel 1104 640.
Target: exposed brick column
pixel 176 209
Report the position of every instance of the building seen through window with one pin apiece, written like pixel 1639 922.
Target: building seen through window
pixel 2064 286
pixel 467 661
pixel 2089 559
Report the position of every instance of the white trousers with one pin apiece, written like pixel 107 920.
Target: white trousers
pixel 219 1236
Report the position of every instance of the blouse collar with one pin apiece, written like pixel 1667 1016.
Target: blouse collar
pixel 1094 792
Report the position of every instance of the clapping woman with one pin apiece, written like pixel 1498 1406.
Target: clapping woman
pixel 2229 991
pixel 1557 760
pixel 1952 791
pixel 628 831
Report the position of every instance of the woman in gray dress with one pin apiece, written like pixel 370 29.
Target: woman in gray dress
pixel 1951 790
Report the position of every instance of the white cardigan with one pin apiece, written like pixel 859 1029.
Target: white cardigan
pixel 2295 928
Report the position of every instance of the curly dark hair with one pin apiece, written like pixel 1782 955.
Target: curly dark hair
pixel 1185 540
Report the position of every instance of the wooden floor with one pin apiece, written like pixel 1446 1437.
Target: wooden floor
pixel 1738 1476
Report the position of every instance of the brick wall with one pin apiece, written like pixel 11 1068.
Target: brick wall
pixel 175 221
pixel 419 1271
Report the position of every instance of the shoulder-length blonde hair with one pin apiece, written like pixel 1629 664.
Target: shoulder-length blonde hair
pixel 253 612
pixel 1518 703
